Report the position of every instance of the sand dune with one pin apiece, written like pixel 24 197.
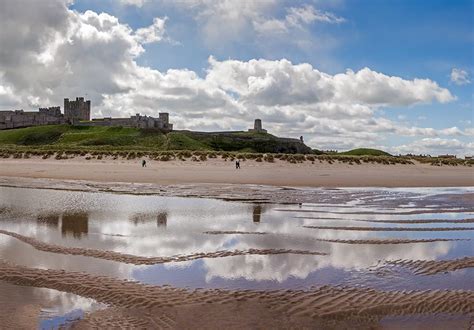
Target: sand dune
pixel 139 260
pixel 323 304
pixel 391 228
pixel 431 267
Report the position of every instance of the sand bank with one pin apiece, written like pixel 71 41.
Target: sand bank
pixel 298 308
pixel 431 267
pixel 219 171
pixel 139 260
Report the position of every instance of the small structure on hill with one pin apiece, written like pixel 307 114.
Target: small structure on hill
pixel 257 127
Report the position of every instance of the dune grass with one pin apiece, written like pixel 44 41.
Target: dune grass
pixel 62 142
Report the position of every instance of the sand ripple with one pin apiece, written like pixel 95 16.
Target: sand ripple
pixel 236 232
pixel 139 260
pixel 390 228
pixel 390 241
pixel 329 303
pixel 431 267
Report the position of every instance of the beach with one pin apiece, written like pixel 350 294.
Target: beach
pixel 218 171
pixel 181 244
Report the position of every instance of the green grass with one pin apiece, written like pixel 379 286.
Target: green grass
pixel 365 152
pixel 64 137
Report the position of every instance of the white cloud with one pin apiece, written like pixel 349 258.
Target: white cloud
pixel 436 146
pixel 70 54
pixel 138 3
pixel 460 77
pixel 152 33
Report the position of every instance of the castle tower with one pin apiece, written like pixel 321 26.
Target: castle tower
pixel 257 127
pixel 77 110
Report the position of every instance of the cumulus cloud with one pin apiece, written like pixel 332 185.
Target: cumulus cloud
pixel 436 146
pixel 152 33
pixel 460 77
pixel 69 54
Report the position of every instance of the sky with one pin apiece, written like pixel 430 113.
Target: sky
pixel 395 75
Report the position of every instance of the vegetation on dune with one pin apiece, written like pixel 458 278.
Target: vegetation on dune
pixel 63 142
pixel 365 152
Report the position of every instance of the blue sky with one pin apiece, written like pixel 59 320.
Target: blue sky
pixel 416 48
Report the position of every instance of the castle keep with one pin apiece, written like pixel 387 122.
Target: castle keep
pixel 78 113
pixel 77 110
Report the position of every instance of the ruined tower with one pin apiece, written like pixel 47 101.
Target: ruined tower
pixel 257 127
pixel 77 110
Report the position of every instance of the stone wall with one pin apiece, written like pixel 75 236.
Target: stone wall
pixel 137 121
pixel 19 118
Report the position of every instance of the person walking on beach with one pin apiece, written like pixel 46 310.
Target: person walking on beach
pixel 143 163
pixel 237 164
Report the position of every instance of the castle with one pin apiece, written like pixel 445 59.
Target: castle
pixel 78 113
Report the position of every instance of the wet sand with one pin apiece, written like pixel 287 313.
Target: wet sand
pixel 112 249
pixel 324 305
pixel 216 171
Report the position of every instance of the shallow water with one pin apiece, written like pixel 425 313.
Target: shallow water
pixel 167 226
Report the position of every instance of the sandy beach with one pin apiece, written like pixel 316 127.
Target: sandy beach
pixel 221 172
pixel 107 243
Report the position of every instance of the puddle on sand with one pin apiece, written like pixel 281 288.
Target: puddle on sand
pixel 27 307
pixel 154 226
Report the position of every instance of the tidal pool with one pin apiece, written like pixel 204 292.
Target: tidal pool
pixel 350 235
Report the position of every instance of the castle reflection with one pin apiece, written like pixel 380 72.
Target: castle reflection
pixel 257 213
pixel 143 218
pixel 75 224
pixel 162 220
pixel 50 220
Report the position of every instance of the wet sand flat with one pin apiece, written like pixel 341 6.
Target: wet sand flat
pixel 111 255
pixel 218 171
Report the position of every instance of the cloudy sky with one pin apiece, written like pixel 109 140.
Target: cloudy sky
pixel 395 75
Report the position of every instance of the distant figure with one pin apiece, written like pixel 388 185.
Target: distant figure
pixel 237 164
pixel 143 163
pixel 301 138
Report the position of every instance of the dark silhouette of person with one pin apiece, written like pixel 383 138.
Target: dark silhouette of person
pixel 237 164
pixel 143 163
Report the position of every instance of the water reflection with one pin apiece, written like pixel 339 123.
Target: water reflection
pixel 162 220
pixel 136 225
pixel 257 213
pixel 75 224
pixel 51 220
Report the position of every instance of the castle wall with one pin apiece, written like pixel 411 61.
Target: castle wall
pixel 20 118
pixel 136 121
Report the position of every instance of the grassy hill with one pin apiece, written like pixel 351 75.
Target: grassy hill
pixel 365 152
pixel 122 138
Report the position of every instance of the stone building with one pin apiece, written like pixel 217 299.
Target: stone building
pixel 19 118
pixel 257 127
pixel 78 113
pixel 77 110
pixel 137 121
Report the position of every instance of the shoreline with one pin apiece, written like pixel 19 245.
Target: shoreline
pixel 217 172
